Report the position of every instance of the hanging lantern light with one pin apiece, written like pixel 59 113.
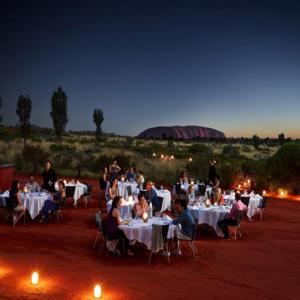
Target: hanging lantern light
pixel 145 217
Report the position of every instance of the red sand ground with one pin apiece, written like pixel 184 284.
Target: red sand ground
pixel 264 264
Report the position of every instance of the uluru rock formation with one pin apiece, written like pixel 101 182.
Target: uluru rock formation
pixel 181 132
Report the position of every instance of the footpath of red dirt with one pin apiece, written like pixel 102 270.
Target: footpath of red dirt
pixel 264 264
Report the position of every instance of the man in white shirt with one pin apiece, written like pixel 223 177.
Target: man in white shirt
pixel 32 186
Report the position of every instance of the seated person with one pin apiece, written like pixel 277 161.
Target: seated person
pixel 15 202
pixel 130 174
pixel 32 186
pixel 53 205
pixel 237 207
pixel 191 195
pixel 113 221
pixel 153 197
pixel 49 178
pixel 140 180
pixel 185 219
pixel 113 190
pixel 218 197
pixel 141 206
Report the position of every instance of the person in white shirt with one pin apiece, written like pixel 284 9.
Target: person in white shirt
pixel 32 186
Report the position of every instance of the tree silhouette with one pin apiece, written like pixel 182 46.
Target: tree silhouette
pixel 98 120
pixel 24 111
pixel 0 108
pixel 59 112
pixel 256 141
pixel 281 138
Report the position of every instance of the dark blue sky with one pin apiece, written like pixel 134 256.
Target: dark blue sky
pixel 230 65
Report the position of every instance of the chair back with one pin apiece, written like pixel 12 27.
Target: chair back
pixel 195 228
pixel 89 189
pixel 129 190
pixel 98 221
pixel 201 189
pixel 245 200
pixel 178 188
pixel 263 202
pixel 62 203
pixel 160 201
pixel 70 191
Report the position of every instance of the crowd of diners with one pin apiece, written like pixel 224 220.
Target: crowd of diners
pixel 111 174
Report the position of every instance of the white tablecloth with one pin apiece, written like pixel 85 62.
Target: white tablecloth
pixel 125 209
pixel 140 231
pixel 122 187
pixel 253 203
pixel 2 198
pixel 210 215
pixel 80 189
pixel 34 202
pixel 166 195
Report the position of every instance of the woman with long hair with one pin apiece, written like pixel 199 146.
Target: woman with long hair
pixel 113 221
pixel 15 202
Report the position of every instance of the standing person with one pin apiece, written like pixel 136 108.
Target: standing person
pixel 130 174
pixel 49 178
pixel 114 169
pixel 103 179
pixel 53 205
pixel 15 202
pixel 237 207
pixel 213 177
pixel 32 186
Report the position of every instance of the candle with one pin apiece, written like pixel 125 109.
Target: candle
pixel 97 291
pixel 35 278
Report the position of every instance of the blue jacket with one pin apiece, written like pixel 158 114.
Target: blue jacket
pixel 186 221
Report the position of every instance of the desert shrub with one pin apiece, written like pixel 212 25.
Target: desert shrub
pixel 101 162
pixel 284 167
pixel 34 156
pixel 229 171
pixel 230 151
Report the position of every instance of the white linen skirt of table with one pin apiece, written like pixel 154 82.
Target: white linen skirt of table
pixel 166 203
pixel 80 189
pixel 34 203
pixel 210 216
pixel 125 210
pixel 122 187
pixel 253 205
pixel 140 231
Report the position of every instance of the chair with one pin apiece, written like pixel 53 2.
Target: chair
pixel 70 190
pixel 107 238
pixel 261 207
pixel 100 235
pixel 129 190
pixel 61 206
pixel 102 183
pixel 237 227
pixel 245 200
pixel 201 189
pixel 11 212
pixel 191 241
pixel 88 194
pixel 178 189
pixel 156 229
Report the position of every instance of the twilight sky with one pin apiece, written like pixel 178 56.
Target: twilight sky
pixel 230 65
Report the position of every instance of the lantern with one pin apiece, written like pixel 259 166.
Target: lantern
pixel 207 203
pixel 35 278
pixel 97 291
pixel 190 159
pixel 172 157
pixel 154 154
pixel 264 192
pixel 25 189
pixel 145 217
pixel 162 156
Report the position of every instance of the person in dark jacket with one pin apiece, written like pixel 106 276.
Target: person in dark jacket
pixel 49 178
